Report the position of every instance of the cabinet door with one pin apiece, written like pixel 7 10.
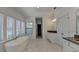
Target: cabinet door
pixel 74 46
pixel 68 49
pixel 66 46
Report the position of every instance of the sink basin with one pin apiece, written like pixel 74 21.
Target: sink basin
pixel 76 37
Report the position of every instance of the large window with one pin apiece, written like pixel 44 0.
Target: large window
pixel 10 28
pixel 29 28
pixel 22 27
pixel 18 28
pixel 1 27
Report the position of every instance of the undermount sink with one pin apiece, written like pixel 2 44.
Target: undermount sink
pixel 76 37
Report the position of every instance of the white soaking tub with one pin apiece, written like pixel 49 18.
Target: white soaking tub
pixel 17 45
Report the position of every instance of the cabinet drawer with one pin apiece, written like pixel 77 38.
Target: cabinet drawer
pixel 74 46
pixel 68 49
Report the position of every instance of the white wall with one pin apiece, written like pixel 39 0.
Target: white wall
pixel 11 12
pixel 44 27
pixel 50 25
pixel 39 22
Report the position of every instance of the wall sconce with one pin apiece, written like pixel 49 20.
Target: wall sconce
pixel 54 20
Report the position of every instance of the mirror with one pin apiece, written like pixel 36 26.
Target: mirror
pixel 77 25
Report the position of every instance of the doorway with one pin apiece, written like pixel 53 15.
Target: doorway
pixel 39 27
pixel 39 31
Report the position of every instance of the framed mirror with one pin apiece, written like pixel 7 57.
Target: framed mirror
pixel 77 25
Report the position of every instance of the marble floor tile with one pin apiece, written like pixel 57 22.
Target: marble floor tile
pixel 41 45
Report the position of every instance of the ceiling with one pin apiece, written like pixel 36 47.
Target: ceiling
pixel 34 11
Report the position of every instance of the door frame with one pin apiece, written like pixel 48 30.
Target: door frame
pixel 41 26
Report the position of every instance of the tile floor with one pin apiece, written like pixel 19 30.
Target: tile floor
pixel 41 45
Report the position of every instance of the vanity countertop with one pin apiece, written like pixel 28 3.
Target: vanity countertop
pixel 72 39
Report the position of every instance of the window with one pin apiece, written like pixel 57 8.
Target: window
pixel 17 27
pixel 22 27
pixel 10 27
pixel 29 28
pixel 1 27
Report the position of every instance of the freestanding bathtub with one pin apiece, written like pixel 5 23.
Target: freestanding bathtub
pixel 17 45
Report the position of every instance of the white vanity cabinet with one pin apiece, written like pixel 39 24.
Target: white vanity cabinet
pixel 74 46
pixel 70 47
pixel 66 46
pixel 52 37
pixel 1 47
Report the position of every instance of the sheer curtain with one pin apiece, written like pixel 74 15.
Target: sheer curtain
pixel 18 28
pixel 1 28
pixel 10 27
